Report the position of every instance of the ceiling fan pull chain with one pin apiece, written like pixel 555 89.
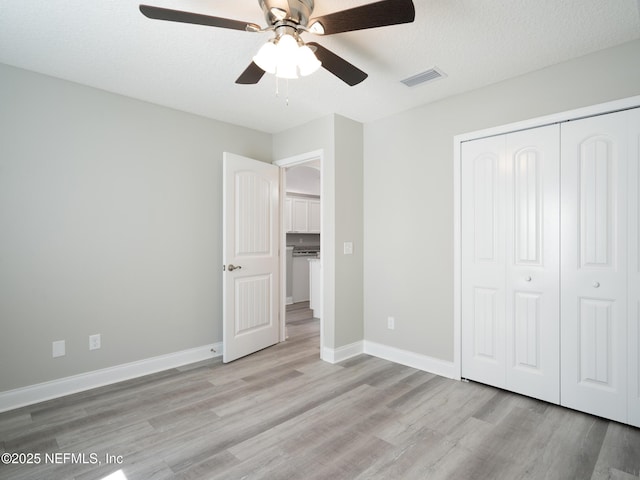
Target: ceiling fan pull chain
pixel 287 100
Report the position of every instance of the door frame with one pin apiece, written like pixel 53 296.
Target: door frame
pixel 326 254
pixel 590 111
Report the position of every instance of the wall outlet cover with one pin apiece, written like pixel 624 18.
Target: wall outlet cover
pixel 391 323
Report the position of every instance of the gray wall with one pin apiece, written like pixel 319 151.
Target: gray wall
pixel 110 214
pixel 408 195
pixel 349 228
pixel 342 197
pixel 110 223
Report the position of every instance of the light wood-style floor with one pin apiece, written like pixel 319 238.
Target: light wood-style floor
pixel 284 414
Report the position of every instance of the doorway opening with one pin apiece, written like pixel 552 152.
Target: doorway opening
pixel 302 240
pixel 301 324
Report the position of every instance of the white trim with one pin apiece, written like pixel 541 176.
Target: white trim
pixel 341 354
pixel 593 110
pixel 40 392
pixel 299 159
pixel 411 359
pixel 282 248
pixel 590 111
pixel 457 256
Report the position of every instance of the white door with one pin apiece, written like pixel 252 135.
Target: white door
pixel 594 265
pixel 532 294
pixel 483 261
pixel 634 267
pixel 250 255
pixel 510 262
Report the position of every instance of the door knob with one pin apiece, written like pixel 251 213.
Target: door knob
pixel 232 267
pixel 527 278
pixel 596 284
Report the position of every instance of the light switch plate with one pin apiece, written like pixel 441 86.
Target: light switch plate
pixel 348 248
pixel 94 342
pixel 58 349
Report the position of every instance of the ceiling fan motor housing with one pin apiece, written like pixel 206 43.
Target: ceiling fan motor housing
pixel 295 11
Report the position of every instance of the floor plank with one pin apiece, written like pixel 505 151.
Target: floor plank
pixel 284 414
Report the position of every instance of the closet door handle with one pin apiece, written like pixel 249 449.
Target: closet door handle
pixel 232 267
pixel 527 278
pixel 596 284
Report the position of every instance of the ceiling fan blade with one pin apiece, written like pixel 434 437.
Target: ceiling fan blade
pixel 159 13
pixel 379 14
pixel 251 75
pixel 338 66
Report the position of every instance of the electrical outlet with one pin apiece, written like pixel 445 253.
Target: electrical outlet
pixel 58 349
pixel 94 342
pixel 391 323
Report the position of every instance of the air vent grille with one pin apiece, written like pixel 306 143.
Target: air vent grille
pixel 430 75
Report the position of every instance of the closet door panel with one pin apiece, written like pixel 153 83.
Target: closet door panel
pixel 532 262
pixel 483 261
pixel 634 267
pixel 594 265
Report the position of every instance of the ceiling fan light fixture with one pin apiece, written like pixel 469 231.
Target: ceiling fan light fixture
pixel 307 61
pixel 287 70
pixel 267 57
pixel 287 46
pixel 288 19
pixel 286 57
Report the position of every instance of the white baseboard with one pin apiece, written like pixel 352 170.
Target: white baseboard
pixel 289 301
pixel 86 381
pixel 340 354
pixel 411 359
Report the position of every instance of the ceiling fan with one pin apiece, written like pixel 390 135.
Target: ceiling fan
pixel 287 55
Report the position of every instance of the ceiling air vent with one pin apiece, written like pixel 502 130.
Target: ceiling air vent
pixel 430 75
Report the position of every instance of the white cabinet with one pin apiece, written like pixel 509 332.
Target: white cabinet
pixel 299 215
pixel 550 254
pixel 303 214
pixel 313 209
pixel 288 214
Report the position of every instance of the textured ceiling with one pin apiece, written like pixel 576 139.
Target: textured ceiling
pixel 111 46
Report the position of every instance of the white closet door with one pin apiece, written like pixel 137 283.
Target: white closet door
pixel 634 267
pixel 533 263
pixel 483 261
pixel 594 265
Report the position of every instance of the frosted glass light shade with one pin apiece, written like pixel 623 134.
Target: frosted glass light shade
pixel 307 61
pixel 267 57
pixel 285 58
